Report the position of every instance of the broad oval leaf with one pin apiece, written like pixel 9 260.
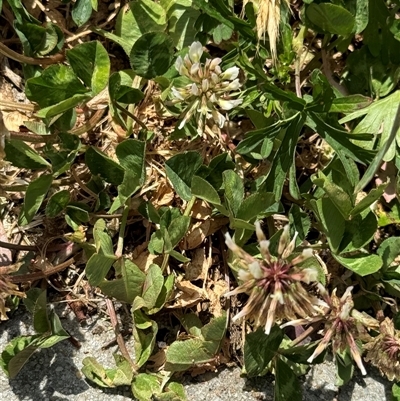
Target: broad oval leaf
pixel 105 167
pixel 91 64
pixel 22 155
pixel 55 84
pixel 331 18
pixel 151 55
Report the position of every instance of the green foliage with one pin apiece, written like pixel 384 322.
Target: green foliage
pixel 49 332
pixel 114 158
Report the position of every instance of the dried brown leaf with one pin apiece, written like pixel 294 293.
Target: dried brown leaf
pixel 197 268
pixel 187 295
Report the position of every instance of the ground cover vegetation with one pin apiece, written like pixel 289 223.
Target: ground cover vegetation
pixel 219 177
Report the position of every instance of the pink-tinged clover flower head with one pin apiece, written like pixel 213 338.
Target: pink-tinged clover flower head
pixel 275 285
pixel 210 90
pixel 384 350
pixel 343 326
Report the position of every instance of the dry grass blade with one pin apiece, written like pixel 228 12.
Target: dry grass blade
pixel 268 19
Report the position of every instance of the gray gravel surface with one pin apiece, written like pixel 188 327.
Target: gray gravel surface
pixel 54 374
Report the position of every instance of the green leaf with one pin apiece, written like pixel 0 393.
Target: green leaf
pixel 259 349
pixel 145 386
pixel 381 116
pixel 57 203
pixel 177 229
pixel 39 40
pixel 395 392
pixel 361 264
pixel 234 191
pixel 220 11
pixel 284 157
pixel 62 107
pixel 56 83
pixel 56 327
pixel 97 268
pixel 181 17
pixel 102 239
pixel 358 231
pixel 103 166
pixel 19 154
pixel 287 385
pixel 75 215
pixel 349 104
pixel 259 144
pixel 91 64
pixel 151 55
pixel 336 194
pixel 331 18
pixel 339 139
pixel 36 303
pixel 144 340
pixel 81 11
pixel 299 221
pixel 180 170
pixel 182 355
pixel 34 197
pixel 382 154
pixel 254 205
pixel 178 390
pixel 128 284
pixel 152 286
pixel 164 295
pixel 367 201
pixel 215 329
pixel 131 154
pixel 362 15
pixel 142 17
pixel 95 372
pixel 120 89
pixel 124 373
pixel 16 354
pixel 389 250
pixel 344 367
pixel 332 221
pixel 204 190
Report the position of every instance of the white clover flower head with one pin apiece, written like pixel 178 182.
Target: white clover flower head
pixel 210 92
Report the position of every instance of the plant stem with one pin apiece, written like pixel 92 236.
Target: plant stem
pixel 120 244
pixel 57 58
pixel 165 261
pixel 32 138
pixel 22 278
pixel 118 335
pixel 5 105
pixel 189 206
pixel 129 114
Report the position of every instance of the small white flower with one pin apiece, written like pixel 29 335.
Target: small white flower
pixel 195 52
pixel 230 74
pixel 177 93
pixel 229 104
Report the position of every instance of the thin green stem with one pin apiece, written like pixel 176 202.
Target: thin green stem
pixel 120 244
pixel 129 114
pixel 165 262
pixel 189 206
